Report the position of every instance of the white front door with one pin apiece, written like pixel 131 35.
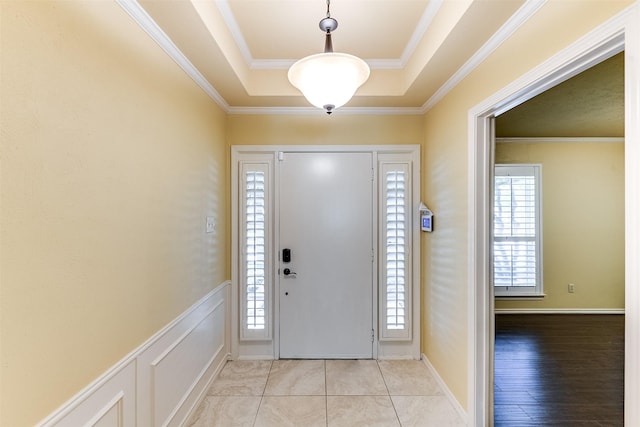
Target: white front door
pixel 326 222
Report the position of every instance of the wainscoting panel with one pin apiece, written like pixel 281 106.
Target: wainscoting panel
pixel 112 415
pixel 161 382
pixel 176 372
pixel 108 402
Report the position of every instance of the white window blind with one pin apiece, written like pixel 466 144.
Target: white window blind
pixel 516 232
pixel 254 256
pixel 255 242
pixel 395 266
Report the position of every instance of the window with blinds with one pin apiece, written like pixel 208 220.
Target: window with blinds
pixel 255 240
pixel 254 223
pixel 517 229
pixel 395 266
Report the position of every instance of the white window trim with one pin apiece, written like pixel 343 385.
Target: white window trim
pixel 516 292
pixel 264 348
pixel 247 334
pixel 386 164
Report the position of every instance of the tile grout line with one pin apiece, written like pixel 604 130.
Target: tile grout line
pixel 393 405
pixel 326 398
pixel 255 417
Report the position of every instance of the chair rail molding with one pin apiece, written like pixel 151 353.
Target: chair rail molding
pixel 162 382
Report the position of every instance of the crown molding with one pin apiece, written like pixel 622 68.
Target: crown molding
pixel 310 111
pixel 418 34
pixel 142 18
pixel 282 64
pixel 508 28
pixel 230 19
pixel 271 64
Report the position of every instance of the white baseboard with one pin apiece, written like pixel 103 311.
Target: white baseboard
pixel 447 392
pixel 200 396
pixel 399 350
pixel 162 382
pixel 559 310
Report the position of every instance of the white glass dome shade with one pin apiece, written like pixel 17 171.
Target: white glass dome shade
pixel 329 80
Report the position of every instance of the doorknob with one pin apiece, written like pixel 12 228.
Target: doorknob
pixel 288 272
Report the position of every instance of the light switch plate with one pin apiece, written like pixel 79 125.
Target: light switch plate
pixel 211 224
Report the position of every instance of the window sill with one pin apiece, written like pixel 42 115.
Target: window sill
pixel 528 297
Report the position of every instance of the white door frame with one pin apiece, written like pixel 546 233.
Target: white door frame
pixel 620 33
pixel 269 348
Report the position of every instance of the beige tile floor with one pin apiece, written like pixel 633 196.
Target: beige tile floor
pixel 325 393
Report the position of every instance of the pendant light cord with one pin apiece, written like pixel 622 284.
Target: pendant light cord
pixel 328 12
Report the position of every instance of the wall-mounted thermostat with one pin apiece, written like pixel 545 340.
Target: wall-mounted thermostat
pixel 426 218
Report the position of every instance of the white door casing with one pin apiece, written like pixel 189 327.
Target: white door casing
pixel 326 220
pixel 249 342
pixel 622 32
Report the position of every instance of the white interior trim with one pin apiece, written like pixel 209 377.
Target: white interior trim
pixel 632 216
pixel 142 18
pixel 525 12
pixel 561 140
pixel 230 19
pixel 272 64
pixel 619 33
pixel 418 34
pixel 313 111
pixel 447 392
pixel 129 391
pixel 559 310
pixel 269 349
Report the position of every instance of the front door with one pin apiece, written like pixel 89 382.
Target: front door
pixel 326 279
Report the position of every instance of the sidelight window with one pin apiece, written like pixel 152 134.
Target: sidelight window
pixel 254 255
pixel 395 250
pixel 255 244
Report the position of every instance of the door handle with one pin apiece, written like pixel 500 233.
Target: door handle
pixel 288 272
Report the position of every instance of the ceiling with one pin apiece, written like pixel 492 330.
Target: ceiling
pixel 591 104
pixel 239 51
pixel 243 48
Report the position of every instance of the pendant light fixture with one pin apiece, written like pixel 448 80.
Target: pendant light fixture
pixel 328 80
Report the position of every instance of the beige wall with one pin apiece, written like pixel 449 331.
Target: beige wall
pixel 323 129
pixel 111 158
pixel 445 255
pixel 583 222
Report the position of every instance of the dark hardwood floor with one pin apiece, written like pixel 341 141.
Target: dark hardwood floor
pixel 559 370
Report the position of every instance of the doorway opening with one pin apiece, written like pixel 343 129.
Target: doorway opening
pixel 575 135
pixel 606 41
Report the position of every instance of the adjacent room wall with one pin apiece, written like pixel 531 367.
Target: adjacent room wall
pixel 583 222
pixel 111 160
pixel 445 175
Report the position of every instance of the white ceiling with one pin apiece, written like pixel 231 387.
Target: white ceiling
pixel 239 51
pixel 243 48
